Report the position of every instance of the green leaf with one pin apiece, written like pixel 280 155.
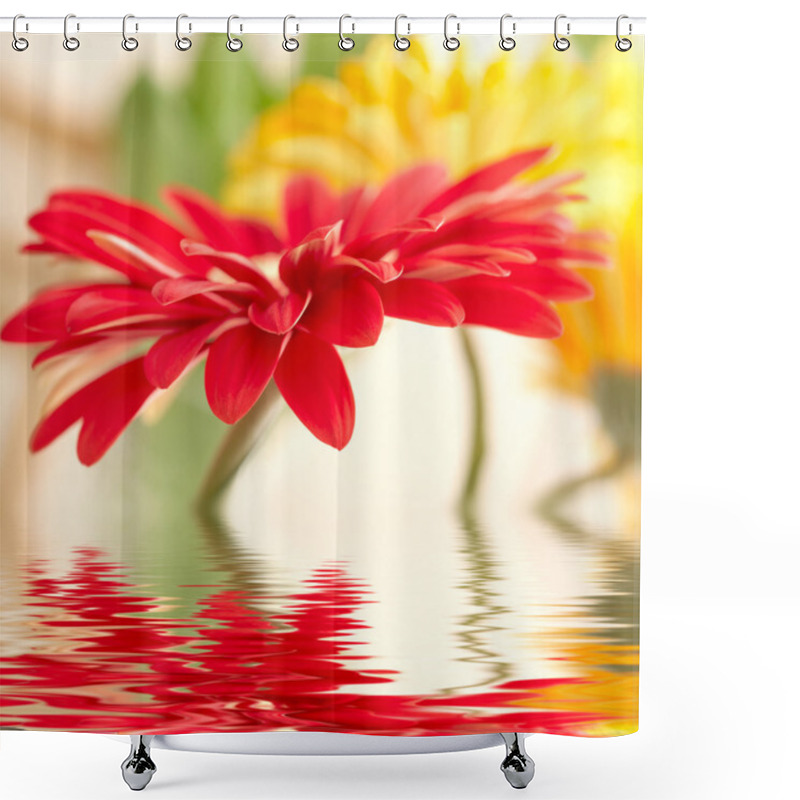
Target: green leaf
pixel 184 135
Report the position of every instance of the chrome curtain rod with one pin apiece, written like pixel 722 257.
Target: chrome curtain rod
pixel 518 26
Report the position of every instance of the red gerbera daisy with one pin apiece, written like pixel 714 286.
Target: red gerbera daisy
pixel 261 304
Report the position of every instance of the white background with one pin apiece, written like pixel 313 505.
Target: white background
pixel 720 705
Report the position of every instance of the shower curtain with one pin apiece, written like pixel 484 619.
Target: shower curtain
pixel 321 380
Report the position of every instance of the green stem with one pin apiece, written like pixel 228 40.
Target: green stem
pixel 235 448
pixel 471 481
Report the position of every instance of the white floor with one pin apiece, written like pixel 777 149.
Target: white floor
pixel 719 718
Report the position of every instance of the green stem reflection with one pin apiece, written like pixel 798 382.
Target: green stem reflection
pixel 472 630
pixel 550 507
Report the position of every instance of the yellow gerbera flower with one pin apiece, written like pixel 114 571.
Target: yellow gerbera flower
pixel 389 109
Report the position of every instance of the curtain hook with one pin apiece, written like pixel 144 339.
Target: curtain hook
pixel 129 43
pixel 561 43
pixel 18 43
pixel 400 42
pixel 182 42
pixel 506 42
pixel 233 44
pixel 451 42
pixel 71 43
pixel 290 45
pixel 623 45
pixel 345 42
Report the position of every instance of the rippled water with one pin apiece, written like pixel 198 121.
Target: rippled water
pixel 250 643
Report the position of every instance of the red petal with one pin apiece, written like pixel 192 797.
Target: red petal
pixel 403 196
pixel 40 247
pixel 384 271
pixel 239 267
pixel 239 365
pixel 68 345
pixel 422 301
pixel 109 303
pixel 282 315
pixel 141 264
pixel 350 314
pixel 106 406
pixel 450 269
pixel 300 266
pixel 308 204
pixel 69 215
pixel 313 381
pixel 172 353
pixel 547 251
pixel 552 281
pixel 114 303
pixel 375 246
pixel 463 252
pixel 173 290
pixel 499 304
pixel 490 177
pixel 44 317
pixel 223 232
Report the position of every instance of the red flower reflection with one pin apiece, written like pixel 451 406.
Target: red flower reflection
pixel 102 658
pixel 263 304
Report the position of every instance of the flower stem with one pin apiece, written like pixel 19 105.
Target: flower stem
pixel 471 481
pixel 235 448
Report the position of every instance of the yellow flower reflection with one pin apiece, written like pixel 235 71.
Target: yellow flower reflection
pixel 611 688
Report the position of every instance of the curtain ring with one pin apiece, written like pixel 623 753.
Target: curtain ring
pixel 71 43
pixel 233 44
pixel 400 42
pixel 506 42
pixel 290 45
pixel 182 42
pixel 18 43
pixel 623 45
pixel 561 43
pixel 129 43
pixel 345 42
pixel 451 42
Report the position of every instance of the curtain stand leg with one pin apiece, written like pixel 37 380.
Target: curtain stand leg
pixel 517 766
pixel 138 768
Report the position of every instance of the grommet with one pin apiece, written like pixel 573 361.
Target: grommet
pixel 71 43
pixel 450 42
pixel 233 44
pixel 129 43
pixel 288 44
pixel 400 42
pixel 506 42
pixel 623 45
pixel 182 42
pixel 17 42
pixel 561 43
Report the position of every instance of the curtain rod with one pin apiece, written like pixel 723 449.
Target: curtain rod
pixel 298 25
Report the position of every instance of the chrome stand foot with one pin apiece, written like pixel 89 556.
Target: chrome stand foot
pixel 517 766
pixel 138 768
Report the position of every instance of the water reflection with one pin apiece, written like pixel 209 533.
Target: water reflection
pixel 90 657
pixel 243 647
